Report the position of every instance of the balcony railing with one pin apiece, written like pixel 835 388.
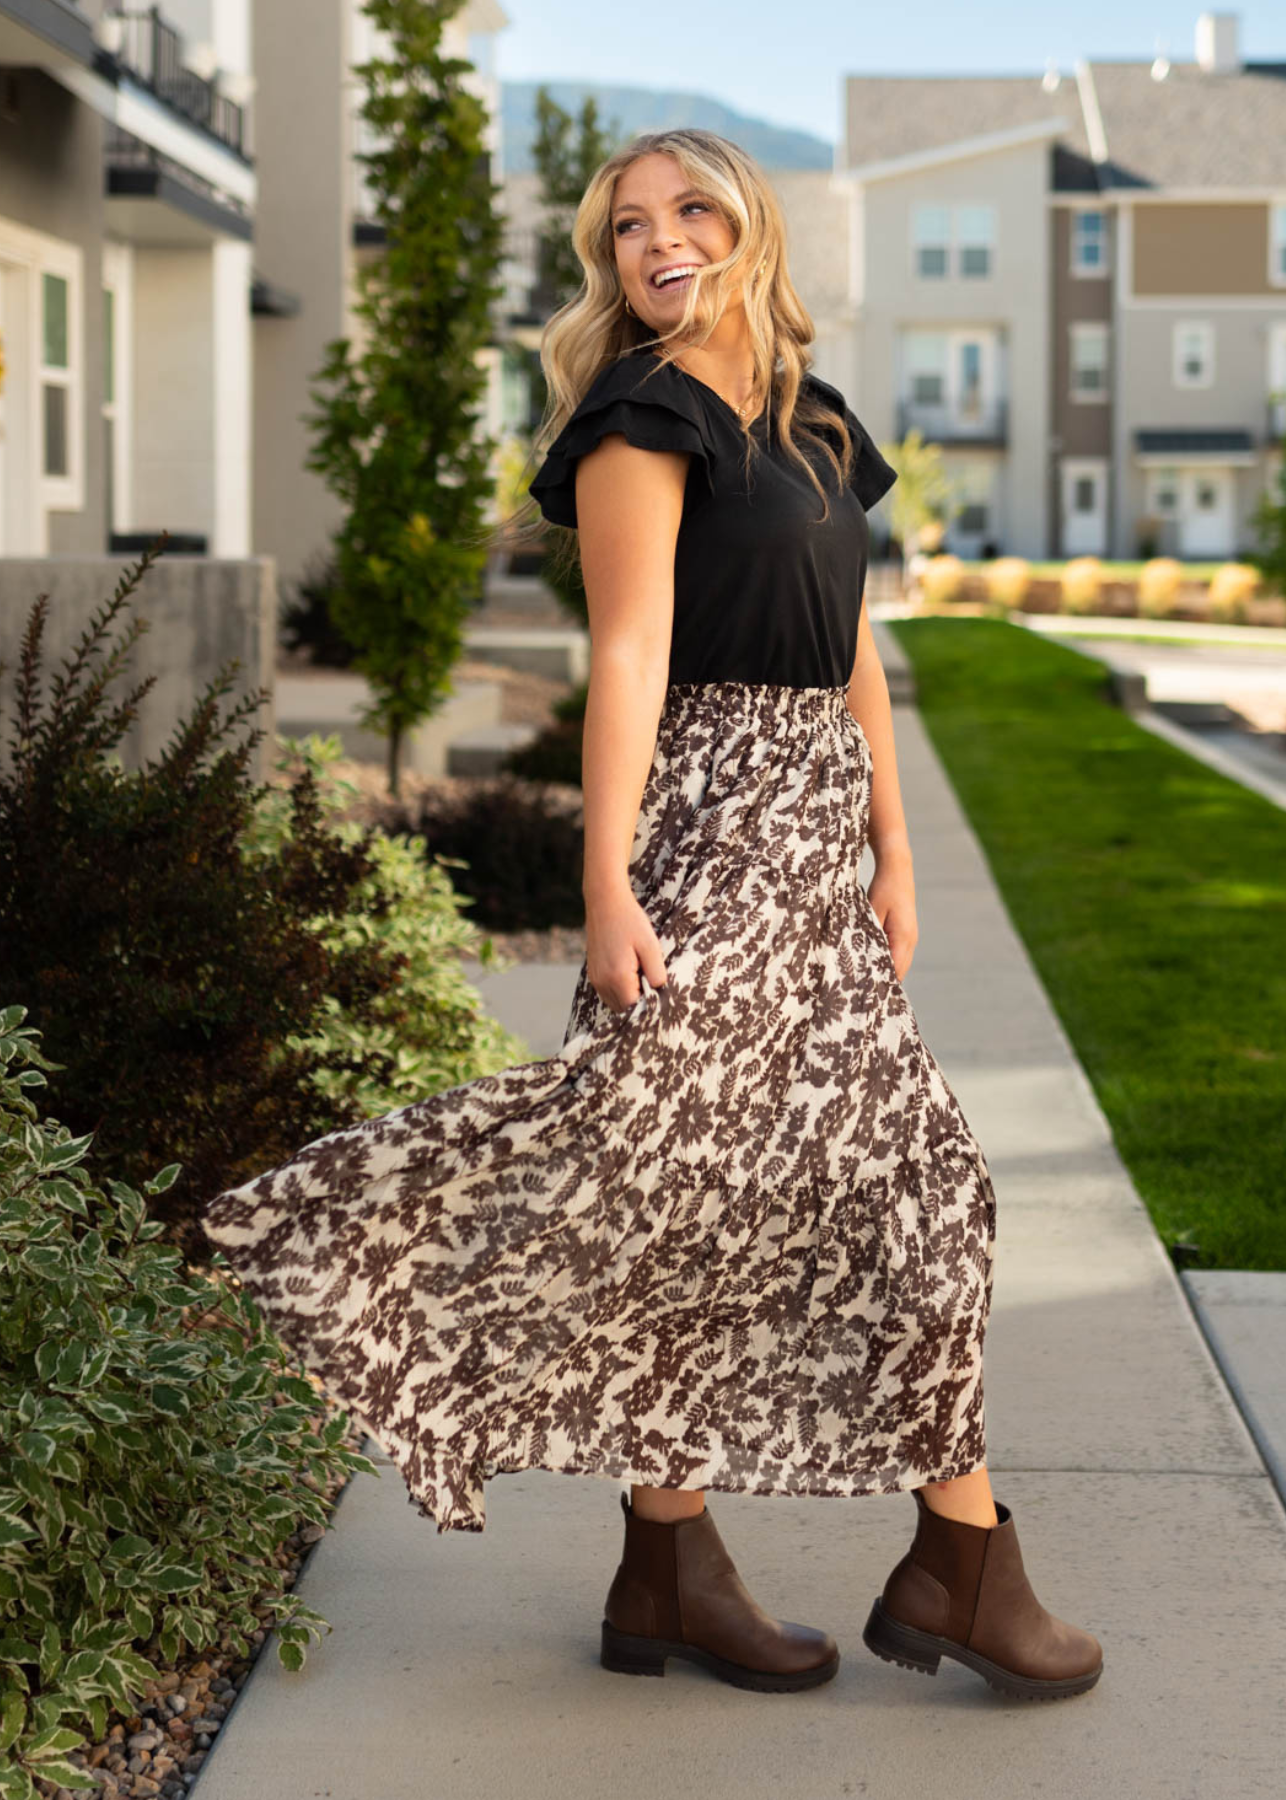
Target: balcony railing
pixel 987 422
pixel 122 150
pixel 152 51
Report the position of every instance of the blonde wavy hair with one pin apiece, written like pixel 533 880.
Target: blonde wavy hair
pixel 593 329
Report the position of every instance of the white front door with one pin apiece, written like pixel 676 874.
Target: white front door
pixel 1084 506
pixel 1207 516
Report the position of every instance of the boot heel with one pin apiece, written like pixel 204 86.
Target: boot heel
pixel 900 1643
pixel 631 1655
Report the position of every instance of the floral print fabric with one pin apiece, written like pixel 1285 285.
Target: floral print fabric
pixel 738 1236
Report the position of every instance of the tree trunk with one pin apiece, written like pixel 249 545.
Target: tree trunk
pixel 393 769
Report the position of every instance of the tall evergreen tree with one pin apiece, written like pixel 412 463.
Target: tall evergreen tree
pixel 396 431
pixel 565 152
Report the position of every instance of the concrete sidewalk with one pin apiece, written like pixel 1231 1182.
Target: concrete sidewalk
pixel 464 1666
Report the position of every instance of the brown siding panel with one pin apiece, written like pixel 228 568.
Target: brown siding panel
pixel 1192 248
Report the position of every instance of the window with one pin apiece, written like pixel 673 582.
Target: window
pixel 1277 379
pixel 1084 494
pixel 1089 361
pixel 1277 271
pixel 926 357
pixel 975 228
pixel 972 518
pixel 1194 353
pixel 932 240
pixel 1165 491
pixel 957 240
pixel 1089 243
pixel 55 374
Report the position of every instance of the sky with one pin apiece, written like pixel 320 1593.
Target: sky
pixel 785 60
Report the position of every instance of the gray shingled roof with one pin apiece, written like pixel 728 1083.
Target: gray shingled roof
pixel 1194 129
pixel 901 115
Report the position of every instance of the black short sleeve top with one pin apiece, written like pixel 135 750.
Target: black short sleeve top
pixel 763 592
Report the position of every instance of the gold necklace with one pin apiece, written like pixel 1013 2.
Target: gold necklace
pixel 740 411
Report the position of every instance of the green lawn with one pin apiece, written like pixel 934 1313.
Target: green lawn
pixel 1151 893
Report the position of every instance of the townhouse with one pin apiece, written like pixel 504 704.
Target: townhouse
pixel 1076 285
pixel 127 202
pixel 315 229
pixel 182 215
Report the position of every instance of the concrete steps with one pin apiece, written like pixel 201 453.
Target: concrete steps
pixel 331 702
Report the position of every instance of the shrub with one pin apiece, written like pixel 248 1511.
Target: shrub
pixel 942 579
pixel 307 618
pixel 1232 587
pixel 554 754
pixel 427 1033
pixel 1159 586
pixel 1082 584
pixel 1008 580
pixel 154 1448
pixel 168 969
pixel 518 848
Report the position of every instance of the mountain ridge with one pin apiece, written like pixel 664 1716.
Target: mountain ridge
pixel 626 111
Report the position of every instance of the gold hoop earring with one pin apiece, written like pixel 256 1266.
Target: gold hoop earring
pixel 629 309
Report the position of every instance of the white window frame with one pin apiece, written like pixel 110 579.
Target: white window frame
pixel 1207 377
pixel 933 358
pixel 1085 331
pixel 923 239
pixel 1084 270
pixel 985 241
pixel 955 243
pixel 1277 242
pixel 37 254
pixel 65 262
pixel 1276 382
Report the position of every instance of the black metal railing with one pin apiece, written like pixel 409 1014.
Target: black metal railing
pixel 987 421
pixel 122 150
pixel 153 53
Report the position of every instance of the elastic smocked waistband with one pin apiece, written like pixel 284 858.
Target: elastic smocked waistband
pixel 756 697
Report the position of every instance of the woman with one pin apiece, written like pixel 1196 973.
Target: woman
pixel 737 1234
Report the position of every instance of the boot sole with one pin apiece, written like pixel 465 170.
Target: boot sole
pixel 922 1650
pixel 626 1655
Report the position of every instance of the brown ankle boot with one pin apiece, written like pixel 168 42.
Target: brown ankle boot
pixel 677 1593
pixel 961 1591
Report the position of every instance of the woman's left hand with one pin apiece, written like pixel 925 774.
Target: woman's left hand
pixel 892 897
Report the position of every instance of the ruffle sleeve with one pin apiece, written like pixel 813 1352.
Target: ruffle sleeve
pixel 654 411
pixel 872 475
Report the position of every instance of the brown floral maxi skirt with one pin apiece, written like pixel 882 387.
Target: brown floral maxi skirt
pixel 738 1236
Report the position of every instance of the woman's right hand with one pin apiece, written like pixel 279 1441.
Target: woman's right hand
pixel 619 942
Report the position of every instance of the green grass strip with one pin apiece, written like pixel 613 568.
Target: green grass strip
pixel 1151 894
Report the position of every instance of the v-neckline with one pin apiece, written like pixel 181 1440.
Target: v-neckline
pixel 730 410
